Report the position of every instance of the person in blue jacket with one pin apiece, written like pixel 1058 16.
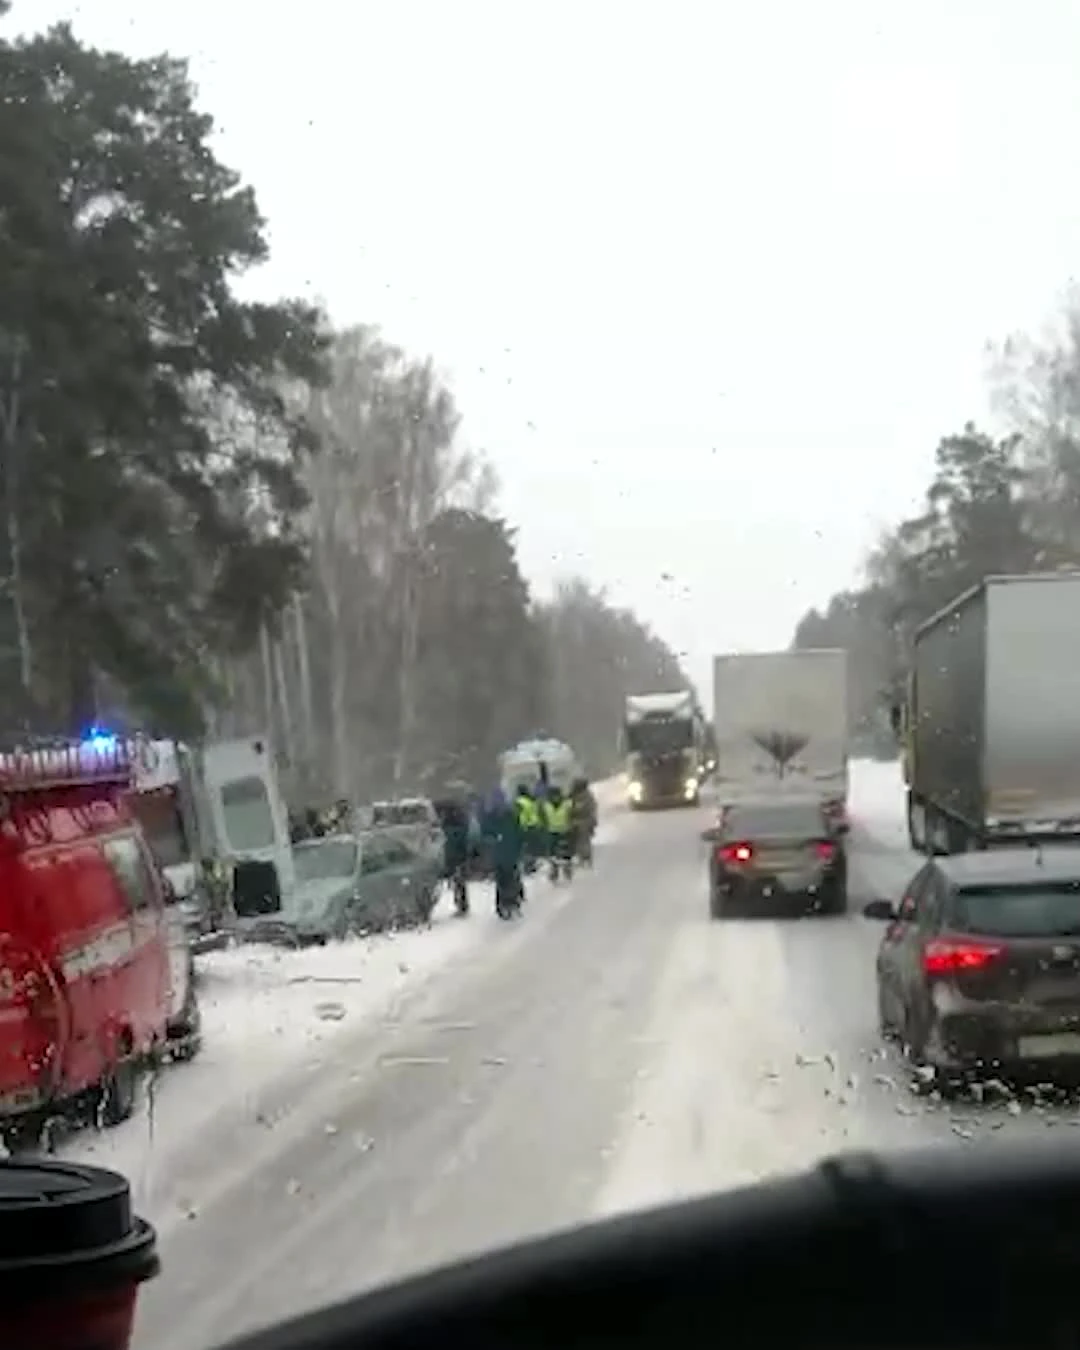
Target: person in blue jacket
pixel 506 845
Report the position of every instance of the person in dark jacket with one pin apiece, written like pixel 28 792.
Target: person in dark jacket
pixel 454 819
pixel 506 845
pixel 582 819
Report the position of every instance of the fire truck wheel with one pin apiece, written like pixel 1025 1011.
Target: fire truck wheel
pixel 26 1136
pixel 120 1091
pixel 185 1035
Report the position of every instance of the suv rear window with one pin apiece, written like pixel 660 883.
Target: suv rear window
pixel 786 820
pixel 1017 911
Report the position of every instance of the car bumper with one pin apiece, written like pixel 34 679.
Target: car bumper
pixel 755 885
pixel 1002 1037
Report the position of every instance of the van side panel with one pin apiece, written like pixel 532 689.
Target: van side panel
pixel 34 1021
pixel 83 945
pixel 87 935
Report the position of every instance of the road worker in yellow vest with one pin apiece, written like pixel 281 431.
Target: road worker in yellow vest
pixel 529 818
pixel 557 815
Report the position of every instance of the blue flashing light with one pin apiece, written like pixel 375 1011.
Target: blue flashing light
pixel 99 741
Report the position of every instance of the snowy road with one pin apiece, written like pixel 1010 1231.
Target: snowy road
pixel 613 1048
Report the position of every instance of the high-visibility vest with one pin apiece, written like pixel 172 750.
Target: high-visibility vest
pixel 528 813
pixel 557 816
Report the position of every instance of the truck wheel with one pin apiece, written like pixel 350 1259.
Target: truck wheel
pixel 119 1093
pixel 916 824
pixel 835 899
pixel 185 1034
pixel 26 1135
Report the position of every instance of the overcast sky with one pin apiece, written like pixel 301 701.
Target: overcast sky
pixel 709 279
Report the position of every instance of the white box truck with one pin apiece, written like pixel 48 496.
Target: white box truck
pixel 781 722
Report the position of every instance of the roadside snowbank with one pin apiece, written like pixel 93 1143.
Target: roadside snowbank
pixel 269 1013
pixel 885 860
pixel 266 1011
pixel 878 800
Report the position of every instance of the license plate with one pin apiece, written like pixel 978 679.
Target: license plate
pixel 1047 1047
pixel 782 862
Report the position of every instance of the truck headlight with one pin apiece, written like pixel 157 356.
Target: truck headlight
pixel 634 791
pixel 690 787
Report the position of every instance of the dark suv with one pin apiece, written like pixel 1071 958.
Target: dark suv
pixel 979 966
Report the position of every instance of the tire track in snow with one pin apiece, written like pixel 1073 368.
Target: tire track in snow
pixel 736 1090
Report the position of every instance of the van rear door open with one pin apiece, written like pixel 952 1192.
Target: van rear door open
pixel 249 816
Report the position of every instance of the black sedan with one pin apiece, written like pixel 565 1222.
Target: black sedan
pixel 777 852
pixel 978 972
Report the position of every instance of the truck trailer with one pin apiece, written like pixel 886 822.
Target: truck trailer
pixel 664 740
pixel 781 722
pixel 990 727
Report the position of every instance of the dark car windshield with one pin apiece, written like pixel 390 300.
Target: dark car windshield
pixel 326 860
pixel 1018 911
pixel 786 820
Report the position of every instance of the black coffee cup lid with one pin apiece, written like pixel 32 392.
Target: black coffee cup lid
pixel 65 1224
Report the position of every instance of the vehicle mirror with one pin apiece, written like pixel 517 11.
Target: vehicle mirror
pixel 884 910
pixel 896 718
pixel 711 835
pixel 843 828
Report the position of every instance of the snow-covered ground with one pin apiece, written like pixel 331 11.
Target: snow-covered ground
pixel 878 800
pixel 879 821
pixel 269 1013
pixel 740 1089
pixel 266 1011
pixel 615 1048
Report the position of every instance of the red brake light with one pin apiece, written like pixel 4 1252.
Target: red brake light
pixel 942 957
pixel 826 851
pixel 736 853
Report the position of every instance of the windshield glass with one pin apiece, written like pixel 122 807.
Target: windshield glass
pixel 659 736
pixel 1018 911
pixel 396 400
pixel 326 860
pixel 162 821
pixel 795 820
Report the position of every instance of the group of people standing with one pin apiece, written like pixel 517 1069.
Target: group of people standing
pixel 516 835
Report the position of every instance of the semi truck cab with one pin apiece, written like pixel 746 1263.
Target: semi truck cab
pixel 664 740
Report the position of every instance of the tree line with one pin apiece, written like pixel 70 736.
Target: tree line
pixel 221 516
pixel 995 504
